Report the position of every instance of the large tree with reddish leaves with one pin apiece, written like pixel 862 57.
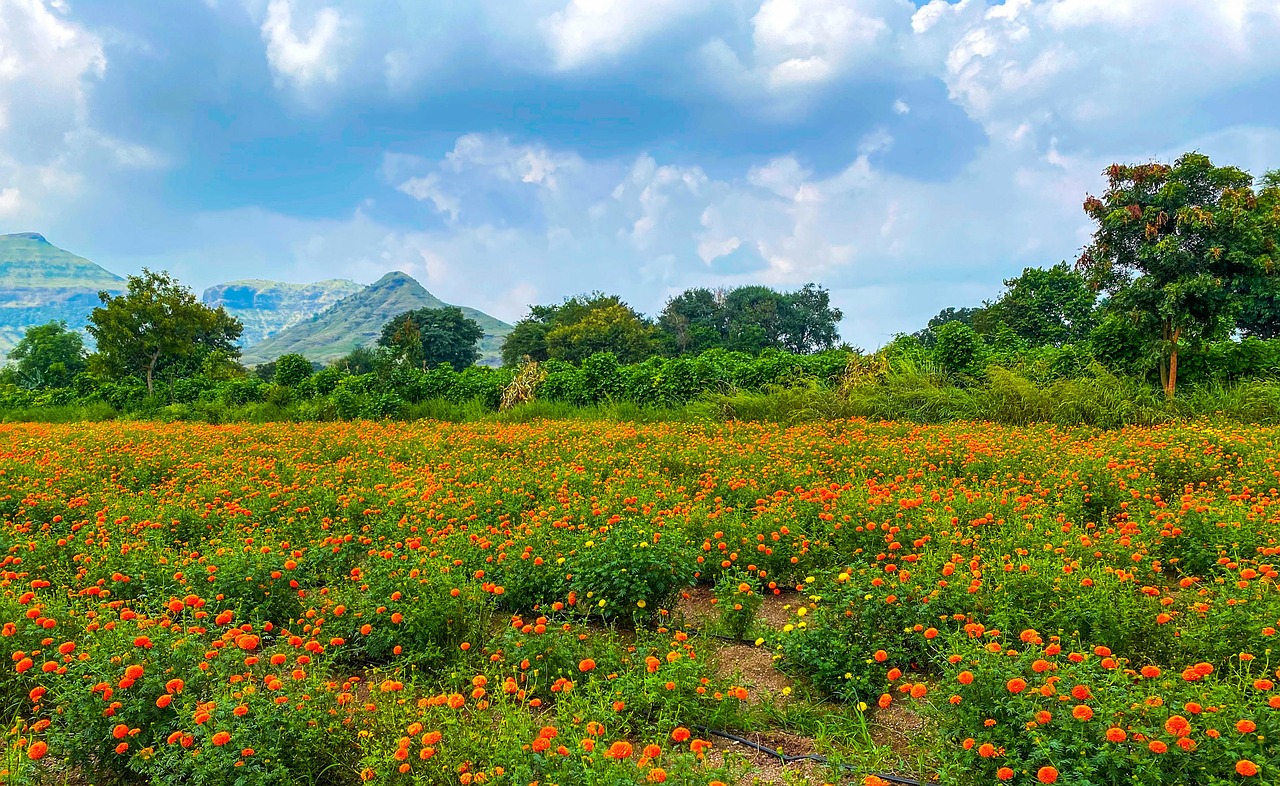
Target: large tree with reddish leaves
pixel 1175 245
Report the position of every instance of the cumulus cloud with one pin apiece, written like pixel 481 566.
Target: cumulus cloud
pixel 302 57
pixel 49 66
pixel 586 31
pixel 1085 69
pixel 805 41
pixel 665 226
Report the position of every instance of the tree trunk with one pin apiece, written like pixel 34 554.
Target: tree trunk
pixel 151 367
pixel 1173 365
pixel 1164 360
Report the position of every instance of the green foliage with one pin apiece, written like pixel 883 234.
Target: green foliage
pixel 1174 246
pixel 428 337
pixel 291 370
pixel 738 598
pixel 959 350
pixel 610 327
pixel 157 328
pixel 1043 306
pixel 629 574
pixel 48 356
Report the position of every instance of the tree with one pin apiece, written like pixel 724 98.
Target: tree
pixel 694 320
pixel 48 356
pixel 808 322
pixel 1043 306
pixel 430 336
pixel 291 370
pixel 1260 294
pixel 1174 245
pixel 528 337
pixel 753 319
pixel 929 335
pixel 158 325
pixel 609 328
pixel 579 327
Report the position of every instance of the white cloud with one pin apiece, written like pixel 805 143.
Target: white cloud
pixel 428 188
pixel 303 58
pixel 586 31
pixel 783 176
pixel 1093 68
pixel 48 144
pixel 497 156
pixel 809 41
pixel 711 250
pixel 10 200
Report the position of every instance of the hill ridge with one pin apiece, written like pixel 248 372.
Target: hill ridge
pixel 357 321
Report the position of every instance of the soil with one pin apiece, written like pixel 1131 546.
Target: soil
pixel 770 770
pixel 697 609
pixel 755 665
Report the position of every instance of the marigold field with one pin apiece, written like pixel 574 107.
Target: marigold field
pixel 584 603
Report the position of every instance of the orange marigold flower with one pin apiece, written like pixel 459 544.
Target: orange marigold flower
pixel 1177 726
pixel 1047 775
pixel 221 738
pixel 1246 726
pixel 1115 734
pixel 1246 768
pixel 1016 685
pixel 1082 712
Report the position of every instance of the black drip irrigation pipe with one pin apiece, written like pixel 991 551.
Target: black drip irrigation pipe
pixel 808 757
pixel 819 759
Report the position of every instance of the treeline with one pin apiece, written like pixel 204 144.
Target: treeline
pixel 1179 285
pixel 905 380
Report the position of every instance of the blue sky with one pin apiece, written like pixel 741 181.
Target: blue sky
pixel 906 155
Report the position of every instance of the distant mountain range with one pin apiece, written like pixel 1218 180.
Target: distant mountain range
pixel 40 282
pixel 357 320
pixel 267 307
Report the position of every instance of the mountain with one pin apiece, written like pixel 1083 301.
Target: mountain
pixel 267 307
pixel 40 282
pixel 357 321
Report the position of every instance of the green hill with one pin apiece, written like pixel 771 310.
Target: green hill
pixel 267 307
pixel 357 321
pixel 40 282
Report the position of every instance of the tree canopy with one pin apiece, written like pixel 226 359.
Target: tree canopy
pixel 48 356
pixel 158 326
pixel 427 337
pixel 579 327
pixel 1043 306
pixel 1176 246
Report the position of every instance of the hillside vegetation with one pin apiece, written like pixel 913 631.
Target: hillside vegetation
pixel 268 307
pixel 40 282
pixel 356 321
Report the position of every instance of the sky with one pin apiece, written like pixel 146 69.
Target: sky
pixel 907 156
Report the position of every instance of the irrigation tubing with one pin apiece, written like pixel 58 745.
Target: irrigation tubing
pixel 784 757
pixel 807 757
